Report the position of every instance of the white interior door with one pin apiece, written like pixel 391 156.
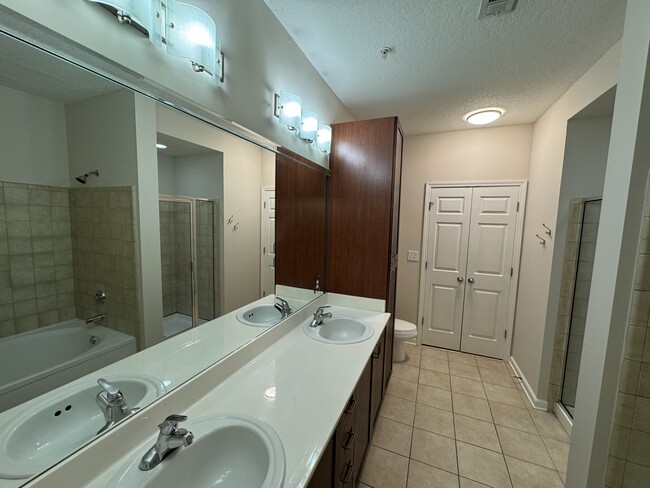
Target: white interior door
pixel 489 265
pixel 267 274
pixel 446 262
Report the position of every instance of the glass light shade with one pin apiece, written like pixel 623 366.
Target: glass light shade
pixel 324 138
pixel 309 126
pixel 141 12
pixel 192 34
pixel 290 110
pixel 484 116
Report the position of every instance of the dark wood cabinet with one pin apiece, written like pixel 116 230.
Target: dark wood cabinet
pixel 377 380
pixel 362 420
pixel 323 474
pixel 363 215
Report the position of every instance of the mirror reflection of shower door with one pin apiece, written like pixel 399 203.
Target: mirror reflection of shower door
pixel 190 248
pixel 585 263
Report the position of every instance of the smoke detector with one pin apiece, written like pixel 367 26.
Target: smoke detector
pixel 493 8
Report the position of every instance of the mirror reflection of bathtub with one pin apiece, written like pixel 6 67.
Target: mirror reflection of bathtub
pixel 35 362
pixel 105 234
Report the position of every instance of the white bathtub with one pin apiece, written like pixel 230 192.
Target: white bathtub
pixel 35 362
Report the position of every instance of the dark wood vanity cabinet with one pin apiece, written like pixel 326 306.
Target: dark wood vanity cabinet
pixel 363 214
pixel 341 462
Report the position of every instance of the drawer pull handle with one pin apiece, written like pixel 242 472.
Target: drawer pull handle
pixel 350 441
pixel 375 353
pixel 351 406
pixel 347 476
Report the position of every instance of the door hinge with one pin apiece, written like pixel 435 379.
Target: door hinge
pixel 517 206
pixel 505 334
pixel 264 204
pixel 426 264
pixel 511 271
pixel 430 206
pixel 263 250
pixel 422 321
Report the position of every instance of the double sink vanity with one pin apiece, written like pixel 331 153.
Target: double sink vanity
pixel 263 416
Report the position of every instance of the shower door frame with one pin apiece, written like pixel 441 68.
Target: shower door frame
pixel 194 250
pixel 584 201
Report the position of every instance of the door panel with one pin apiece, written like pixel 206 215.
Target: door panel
pixel 446 266
pixel 267 273
pixel 489 260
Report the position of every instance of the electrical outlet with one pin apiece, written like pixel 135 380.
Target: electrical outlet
pixel 413 256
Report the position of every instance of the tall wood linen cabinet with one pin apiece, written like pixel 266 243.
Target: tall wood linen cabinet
pixel 363 215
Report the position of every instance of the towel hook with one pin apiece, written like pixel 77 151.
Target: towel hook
pixel 230 219
pixel 235 226
pixel 542 241
pixel 548 229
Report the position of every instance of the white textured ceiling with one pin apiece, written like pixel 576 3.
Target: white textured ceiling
pixel 30 70
pixel 445 61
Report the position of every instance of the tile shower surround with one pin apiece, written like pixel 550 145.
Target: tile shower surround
pixel 36 266
pixel 105 255
pixel 45 262
pixel 629 451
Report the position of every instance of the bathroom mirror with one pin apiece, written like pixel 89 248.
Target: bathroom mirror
pixel 97 224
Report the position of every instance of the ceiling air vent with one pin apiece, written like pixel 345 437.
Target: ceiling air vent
pixel 491 8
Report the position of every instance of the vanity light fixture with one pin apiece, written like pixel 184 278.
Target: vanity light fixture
pixel 288 108
pixel 309 126
pixel 484 116
pixel 183 30
pixel 324 138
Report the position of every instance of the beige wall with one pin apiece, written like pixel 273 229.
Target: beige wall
pixel 261 58
pixel 33 139
pixel 496 153
pixel 535 317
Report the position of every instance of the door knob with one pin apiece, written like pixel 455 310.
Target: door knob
pixel 470 280
pixel 459 279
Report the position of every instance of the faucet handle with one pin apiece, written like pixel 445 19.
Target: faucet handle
pixel 112 392
pixel 170 424
pixel 320 310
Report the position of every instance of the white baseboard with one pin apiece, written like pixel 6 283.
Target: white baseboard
pixel 564 418
pixel 537 403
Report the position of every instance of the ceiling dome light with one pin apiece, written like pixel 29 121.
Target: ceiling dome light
pixel 484 116
pixel 161 146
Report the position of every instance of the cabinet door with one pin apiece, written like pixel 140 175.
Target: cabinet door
pixel 377 384
pixel 362 421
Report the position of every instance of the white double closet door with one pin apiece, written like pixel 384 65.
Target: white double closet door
pixel 469 263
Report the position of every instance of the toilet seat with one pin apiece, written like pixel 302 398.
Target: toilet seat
pixel 405 330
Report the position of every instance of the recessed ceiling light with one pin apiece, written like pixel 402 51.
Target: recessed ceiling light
pixel 161 146
pixel 484 116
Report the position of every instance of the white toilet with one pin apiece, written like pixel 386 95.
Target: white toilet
pixel 404 331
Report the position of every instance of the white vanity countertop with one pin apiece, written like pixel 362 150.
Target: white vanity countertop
pixel 313 382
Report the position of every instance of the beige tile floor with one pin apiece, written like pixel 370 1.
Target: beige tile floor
pixel 454 420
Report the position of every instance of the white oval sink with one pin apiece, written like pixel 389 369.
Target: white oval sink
pixel 340 330
pixel 260 316
pixel 229 451
pixel 61 422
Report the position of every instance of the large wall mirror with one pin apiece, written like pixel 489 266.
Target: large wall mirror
pixel 133 240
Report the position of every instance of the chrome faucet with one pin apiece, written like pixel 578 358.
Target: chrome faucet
pixel 283 307
pixel 95 319
pixel 169 439
pixel 319 315
pixel 112 404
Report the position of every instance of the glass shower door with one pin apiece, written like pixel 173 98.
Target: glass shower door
pixel 176 253
pixel 585 263
pixel 207 260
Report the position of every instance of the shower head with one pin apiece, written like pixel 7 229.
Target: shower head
pixel 84 178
